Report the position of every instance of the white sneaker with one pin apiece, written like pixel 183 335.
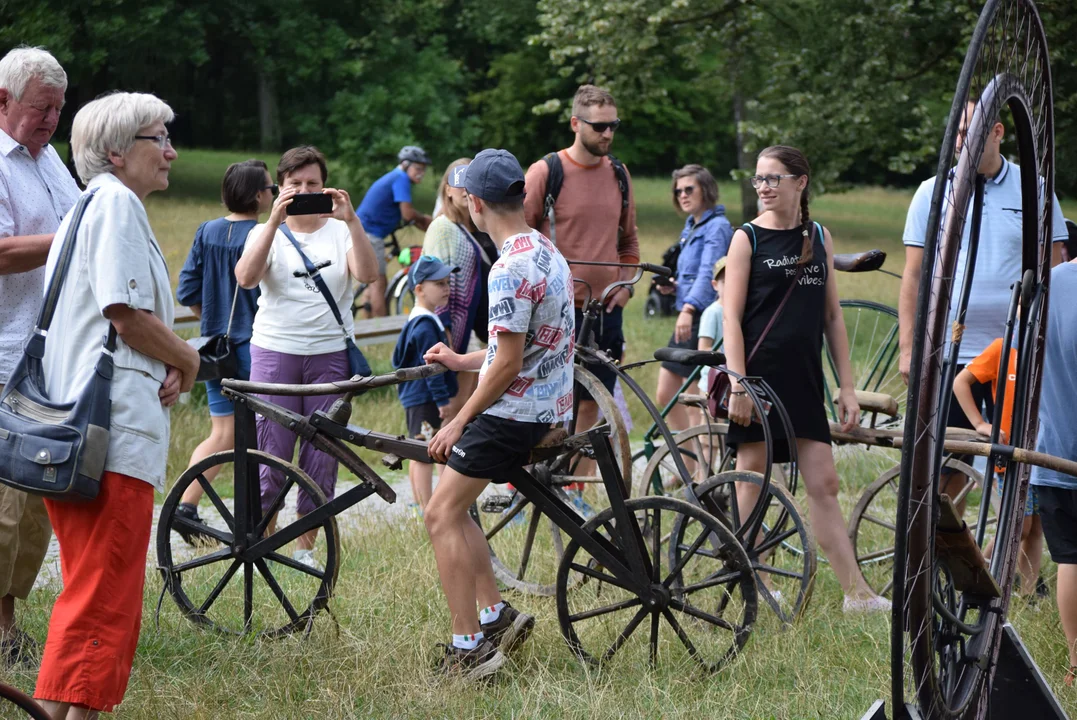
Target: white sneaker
pixel 873 604
pixel 307 558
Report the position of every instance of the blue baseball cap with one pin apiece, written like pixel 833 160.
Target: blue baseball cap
pixel 428 267
pixel 456 176
pixel 495 176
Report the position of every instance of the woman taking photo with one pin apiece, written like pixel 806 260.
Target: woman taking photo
pixel 207 285
pixel 117 275
pixel 780 286
pixel 450 238
pixel 704 240
pixel 296 338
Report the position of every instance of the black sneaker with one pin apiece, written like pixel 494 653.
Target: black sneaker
pixel 194 538
pixel 18 648
pixel 510 629
pixel 1042 591
pixel 483 661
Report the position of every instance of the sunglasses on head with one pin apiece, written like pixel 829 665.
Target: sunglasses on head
pixel 686 190
pixel 601 127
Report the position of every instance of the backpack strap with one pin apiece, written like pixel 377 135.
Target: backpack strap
pixel 554 181
pixel 747 228
pixel 622 179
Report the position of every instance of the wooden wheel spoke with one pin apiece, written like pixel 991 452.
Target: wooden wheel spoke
pixel 217 556
pixel 625 634
pixel 685 557
pixel 712 581
pixel 214 498
pixel 275 587
pixel 270 512
pixel 529 541
pixel 295 565
pixel 654 638
pixel 880 522
pixel 601 576
pixel 218 588
pixel 771 570
pixel 656 555
pixel 606 610
pixel 200 527
pixel 876 555
pixel 681 634
pixel 704 616
pixel 772 542
pixel 506 517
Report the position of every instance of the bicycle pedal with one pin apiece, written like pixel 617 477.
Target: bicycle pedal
pixel 393 462
pixel 497 504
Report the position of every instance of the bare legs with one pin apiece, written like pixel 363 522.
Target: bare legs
pixel 821 480
pixel 462 554
pixel 222 436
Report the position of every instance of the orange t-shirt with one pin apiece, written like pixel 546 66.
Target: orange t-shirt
pixel 985 369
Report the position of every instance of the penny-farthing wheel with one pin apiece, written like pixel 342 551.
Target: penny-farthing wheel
pixel 945 635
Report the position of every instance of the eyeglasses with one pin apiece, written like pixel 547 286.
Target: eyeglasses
pixel 686 190
pixel 772 181
pixel 601 127
pixel 162 141
pixel 271 188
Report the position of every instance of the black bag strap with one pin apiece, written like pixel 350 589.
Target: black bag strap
pixel 316 276
pixel 235 294
pixel 557 178
pixel 622 179
pixel 59 275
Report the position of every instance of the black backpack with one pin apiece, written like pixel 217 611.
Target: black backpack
pixel 557 179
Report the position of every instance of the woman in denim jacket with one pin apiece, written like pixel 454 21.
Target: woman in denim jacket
pixel 704 240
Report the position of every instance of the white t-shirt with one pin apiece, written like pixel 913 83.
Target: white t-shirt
pixel 292 316
pixel 34 197
pixel 531 292
pixel 116 261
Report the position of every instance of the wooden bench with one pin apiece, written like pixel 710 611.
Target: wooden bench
pixel 367 332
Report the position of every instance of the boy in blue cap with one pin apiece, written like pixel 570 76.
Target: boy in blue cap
pixel 525 384
pixel 426 402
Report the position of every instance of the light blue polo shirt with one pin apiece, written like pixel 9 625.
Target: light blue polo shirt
pixel 998 257
pixel 1058 411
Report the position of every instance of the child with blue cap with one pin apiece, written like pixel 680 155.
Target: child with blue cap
pixel 426 401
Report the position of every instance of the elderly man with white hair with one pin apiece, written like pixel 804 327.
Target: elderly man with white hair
pixel 36 191
pixel 117 277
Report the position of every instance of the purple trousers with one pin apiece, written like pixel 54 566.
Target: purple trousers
pixel 275 367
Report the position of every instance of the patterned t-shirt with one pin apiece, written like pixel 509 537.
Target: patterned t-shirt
pixel 531 292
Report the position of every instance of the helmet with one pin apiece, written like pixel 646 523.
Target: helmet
pixel 413 153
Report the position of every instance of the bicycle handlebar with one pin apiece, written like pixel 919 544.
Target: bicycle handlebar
pixel 613 287
pixel 335 388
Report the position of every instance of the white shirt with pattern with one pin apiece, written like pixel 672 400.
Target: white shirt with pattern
pixel 116 261
pixel 531 292
pixel 34 197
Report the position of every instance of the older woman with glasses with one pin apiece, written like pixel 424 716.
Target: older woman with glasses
pixel 207 284
pixel 117 275
pixel 704 240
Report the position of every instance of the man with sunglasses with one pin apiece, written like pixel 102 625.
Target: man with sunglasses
pixel 594 219
pixel 36 191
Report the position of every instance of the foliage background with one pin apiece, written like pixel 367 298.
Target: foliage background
pixel 863 86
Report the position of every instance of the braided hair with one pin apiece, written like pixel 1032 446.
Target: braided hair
pixel 795 162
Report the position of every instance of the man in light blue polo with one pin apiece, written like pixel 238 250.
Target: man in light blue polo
pixel 998 256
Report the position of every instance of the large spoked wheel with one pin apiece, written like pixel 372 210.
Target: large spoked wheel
pixel 782 551
pixel 945 640
pixel 23 702
pixel 703 450
pixel 217 582
pixel 873 522
pixel 873 353
pixel 401 296
pixel 525 545
pixel 702 607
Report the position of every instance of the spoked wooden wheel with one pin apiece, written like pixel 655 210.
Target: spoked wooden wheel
pixel 703 607
pixel 703 450
pixel 944 639
pixel 782 551
pixel 525 545
pixel 217 582
pixel 26 704
pixel 872 329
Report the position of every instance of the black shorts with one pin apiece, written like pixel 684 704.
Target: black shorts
pixel 610 338
pixel 1058 513
pixel 956 418
pixel 416 416
pixel 492 448
pixel 691 343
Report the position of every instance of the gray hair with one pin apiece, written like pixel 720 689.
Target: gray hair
pixel 109 124
pixel 23 64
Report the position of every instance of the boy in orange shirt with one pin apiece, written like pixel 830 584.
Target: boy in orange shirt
pixel 984 369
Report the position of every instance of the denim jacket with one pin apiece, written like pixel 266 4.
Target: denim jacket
pixel 702 245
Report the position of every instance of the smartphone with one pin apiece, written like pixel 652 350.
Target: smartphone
pixel 310 204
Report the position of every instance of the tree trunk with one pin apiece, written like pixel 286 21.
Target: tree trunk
pixel 745 161
pixel 268 112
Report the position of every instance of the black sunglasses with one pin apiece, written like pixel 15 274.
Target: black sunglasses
pixel 686 190
pixel 601 127
pixel 271 188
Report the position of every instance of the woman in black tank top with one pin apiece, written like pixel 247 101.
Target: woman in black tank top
pixel 782 252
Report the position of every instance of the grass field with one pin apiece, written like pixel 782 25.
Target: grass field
pixel 390 610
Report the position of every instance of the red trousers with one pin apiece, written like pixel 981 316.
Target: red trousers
pixel 94 626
